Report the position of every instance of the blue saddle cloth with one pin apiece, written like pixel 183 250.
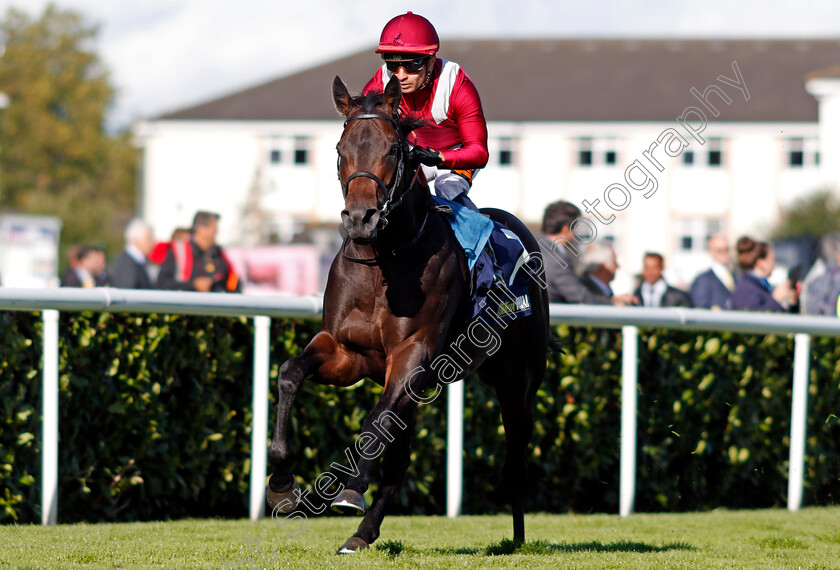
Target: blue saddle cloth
pixel 509 300
pixel 474 231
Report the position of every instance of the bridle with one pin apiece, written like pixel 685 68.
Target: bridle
pixel 387 189
pixel 396 182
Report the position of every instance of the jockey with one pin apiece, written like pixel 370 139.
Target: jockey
pixel 452 144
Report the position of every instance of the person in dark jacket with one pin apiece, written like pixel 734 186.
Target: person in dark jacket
pixel 557 248
pixel 821 288
pixel 69 277
pixel 712 289
pixel 753 292
pixel 90 271
pixel 129 270
pixel 599 267
pixel 654 291
pixel 199 264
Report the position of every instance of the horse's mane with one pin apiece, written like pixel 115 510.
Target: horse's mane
pixel 369 102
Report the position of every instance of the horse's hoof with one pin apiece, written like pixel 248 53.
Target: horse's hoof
pixel 283 501
pixel 349 502
pixel 353 545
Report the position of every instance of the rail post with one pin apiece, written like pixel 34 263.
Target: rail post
pixel 49 451
pixel 798 419
pixel 629 370
pixel 259 411
pixel 454 448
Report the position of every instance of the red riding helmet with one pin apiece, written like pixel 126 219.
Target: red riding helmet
pixel 409 33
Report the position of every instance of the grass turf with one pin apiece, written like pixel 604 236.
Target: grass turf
pixel 772 538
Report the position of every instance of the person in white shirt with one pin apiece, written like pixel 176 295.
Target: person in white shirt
pixel 654 290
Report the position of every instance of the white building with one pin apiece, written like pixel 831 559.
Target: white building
pixel 668 140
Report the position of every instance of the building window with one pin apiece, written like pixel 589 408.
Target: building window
pixel 505 151
pixel 585 152
pixel 301 150
pixel 802 152
pixel 603 149
pixel 715 152
pixel 286 150
pixel 713 228
pixel 694 233
pixel 605 146
pixel 688 157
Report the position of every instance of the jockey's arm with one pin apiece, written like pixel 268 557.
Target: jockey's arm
pixel 472 127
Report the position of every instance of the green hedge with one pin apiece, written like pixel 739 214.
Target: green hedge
pixel 155 416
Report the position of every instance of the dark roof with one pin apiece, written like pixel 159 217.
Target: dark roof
pixel 572 80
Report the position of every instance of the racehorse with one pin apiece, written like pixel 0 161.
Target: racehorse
pixel 394 305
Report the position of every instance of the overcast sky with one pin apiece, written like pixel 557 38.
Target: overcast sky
pixel 168 54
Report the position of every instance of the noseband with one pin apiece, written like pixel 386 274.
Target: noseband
pixel 398 176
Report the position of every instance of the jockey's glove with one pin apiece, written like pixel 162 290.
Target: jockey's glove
pixel 423 155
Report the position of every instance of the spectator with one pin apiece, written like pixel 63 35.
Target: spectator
pixel 90 271
pixel 69 276
pixel 564 284
pixel 199 264
pixel 129 270
pixel 823 291
pixel 100 276
pixel 600 264
pixel 753 292
pixel 712 289
pixel 160 249
pixel 654 290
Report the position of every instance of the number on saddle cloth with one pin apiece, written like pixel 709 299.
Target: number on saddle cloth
pixel 511 300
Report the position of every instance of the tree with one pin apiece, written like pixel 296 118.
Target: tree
pixel 56 157
pixel 814 215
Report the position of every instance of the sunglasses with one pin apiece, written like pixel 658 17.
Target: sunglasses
pixel 411 67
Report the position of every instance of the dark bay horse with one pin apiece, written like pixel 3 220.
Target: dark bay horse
pixel 394 310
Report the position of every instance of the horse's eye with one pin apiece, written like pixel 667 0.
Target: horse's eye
pixel 394 150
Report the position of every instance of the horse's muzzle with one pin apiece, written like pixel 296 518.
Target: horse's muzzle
pixel 360 223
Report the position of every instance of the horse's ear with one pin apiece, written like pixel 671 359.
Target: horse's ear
pixel 393 94
pixel 341 97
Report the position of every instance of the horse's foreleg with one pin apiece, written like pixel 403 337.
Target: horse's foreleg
pixel 406 377
pixel 283 492
pixel 386 429
pixel 382 429
pixel 395 463
pixel 328 363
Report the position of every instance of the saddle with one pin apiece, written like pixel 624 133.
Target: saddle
pixel 499 285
